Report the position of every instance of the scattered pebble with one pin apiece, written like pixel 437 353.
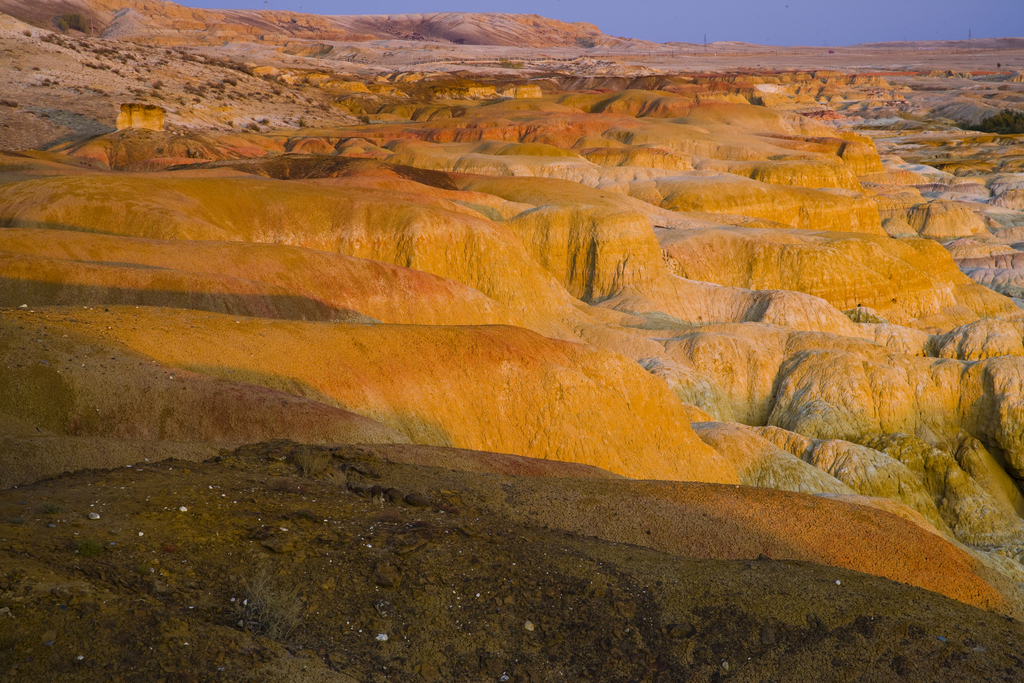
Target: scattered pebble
pixel 80 657
pixel 141 534
pixel 528 625
pixel 382 637
pixel 838 582
pixel 94 515
pixel 384 608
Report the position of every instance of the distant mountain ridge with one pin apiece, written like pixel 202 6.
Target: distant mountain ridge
pixel 976 44
pixel 160 22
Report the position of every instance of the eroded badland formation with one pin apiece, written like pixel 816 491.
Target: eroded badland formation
pixel 489 347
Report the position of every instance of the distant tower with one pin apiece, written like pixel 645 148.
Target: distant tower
pixel 705 42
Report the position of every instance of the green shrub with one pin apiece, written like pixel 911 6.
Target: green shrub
pixel 88 547
pixel 1006 122
pixel 68 21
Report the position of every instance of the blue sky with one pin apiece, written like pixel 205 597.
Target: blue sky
pixel 775 22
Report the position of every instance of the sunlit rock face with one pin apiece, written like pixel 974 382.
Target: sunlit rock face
pixel 140 116
pixel 728 278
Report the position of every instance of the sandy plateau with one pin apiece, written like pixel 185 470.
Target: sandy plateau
pixel 460 347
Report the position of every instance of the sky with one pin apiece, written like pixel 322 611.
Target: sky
pixel 771 22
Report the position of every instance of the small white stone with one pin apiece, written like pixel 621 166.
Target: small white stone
pixel 183 509
pixel 838 582
pixel 80 657
pixel 528 626
pixel 382 637
pixel 94 515
pixel 141 534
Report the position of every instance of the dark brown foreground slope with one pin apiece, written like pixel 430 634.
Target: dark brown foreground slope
pixel 464 587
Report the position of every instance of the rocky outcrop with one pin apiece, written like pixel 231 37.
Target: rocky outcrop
pixel 977 510
pixel 847 270
pixel 870 472
pixel 980 340
pixel 146 116
pixel 798 207
pixel 944 220
pixel 931 399
pixel 761 463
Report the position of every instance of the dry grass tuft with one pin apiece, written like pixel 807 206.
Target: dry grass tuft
pixel 312 462
pixel 270 608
